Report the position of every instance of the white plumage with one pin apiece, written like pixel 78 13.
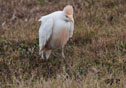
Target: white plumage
pixel 55 30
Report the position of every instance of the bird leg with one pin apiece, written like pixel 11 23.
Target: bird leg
pixel 47 64
pixel 67 65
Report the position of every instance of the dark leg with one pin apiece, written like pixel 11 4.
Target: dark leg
pixel 47 64
pixel 68 70
pixel 67 65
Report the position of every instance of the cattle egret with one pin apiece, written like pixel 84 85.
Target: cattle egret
pixel 55 30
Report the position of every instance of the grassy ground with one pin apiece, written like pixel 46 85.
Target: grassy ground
pixel 96 53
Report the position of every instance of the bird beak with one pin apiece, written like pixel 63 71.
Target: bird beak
pixel 71 19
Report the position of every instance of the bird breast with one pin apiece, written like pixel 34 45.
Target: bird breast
pixel 60 35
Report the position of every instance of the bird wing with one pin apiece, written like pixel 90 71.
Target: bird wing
pixel 71 29
pixel 45 32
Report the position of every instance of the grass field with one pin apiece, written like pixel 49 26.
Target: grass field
pixel 96 53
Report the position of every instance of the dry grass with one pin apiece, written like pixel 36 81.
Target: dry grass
pixel 90 81
pixel 97 51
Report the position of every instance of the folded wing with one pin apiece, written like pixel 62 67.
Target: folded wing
pixel 45 32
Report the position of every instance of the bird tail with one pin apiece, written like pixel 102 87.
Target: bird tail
pixel 45 54
pixel 41 54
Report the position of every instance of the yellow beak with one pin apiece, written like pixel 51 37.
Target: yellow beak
pixel 71 19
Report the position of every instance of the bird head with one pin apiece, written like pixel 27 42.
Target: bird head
pixel 68 11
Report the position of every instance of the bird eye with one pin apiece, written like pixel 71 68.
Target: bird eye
pixel 66 16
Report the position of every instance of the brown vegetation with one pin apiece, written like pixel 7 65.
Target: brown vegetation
pixel 97 51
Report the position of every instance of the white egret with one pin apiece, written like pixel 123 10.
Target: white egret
pixel 55 30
